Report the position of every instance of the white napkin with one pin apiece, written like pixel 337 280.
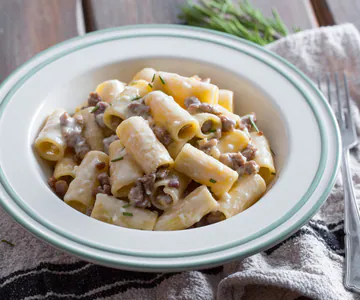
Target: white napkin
pixel 308 264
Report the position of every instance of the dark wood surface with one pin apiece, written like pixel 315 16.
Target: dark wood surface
pixel 30 26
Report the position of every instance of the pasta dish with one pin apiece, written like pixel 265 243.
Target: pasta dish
pixel 163 152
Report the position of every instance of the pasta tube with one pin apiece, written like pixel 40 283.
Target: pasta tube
pixel 118 212
pixel 175 147
pixel 170 116
pixel 79 194
pixel 50 143
pixel 189 211
pixel 146 74
pixel 263 157
pixel 181 88
pixel 92 132
pixel 165 194
pixel 118 110
pixel 233 141
pixel 123 170
pixel 226 100
pixel 208 124
pixel 108 90
pixel 205 169
pixel 245 192
pixel 65 167
pixel 142 144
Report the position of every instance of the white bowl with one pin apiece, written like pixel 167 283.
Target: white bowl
pixel 291 111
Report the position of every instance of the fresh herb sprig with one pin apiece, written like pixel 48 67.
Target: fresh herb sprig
pixel 7 242
pixel 242 20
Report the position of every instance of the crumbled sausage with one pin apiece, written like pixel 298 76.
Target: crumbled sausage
pixel 227 124
pixel 194 106
pixel 71 129
pixel 246 121
pixel 207 146
pixel 107 141
pixel 175 183
pixel 250 152
pixel 104 187
pixel 138 197
pixel 61 187
pixel 163 135
pixel 139 108
pixel 93 99
pixel 233 160
pixel 147 182
pixel 99 113
pixel 250 167
pixel 206 126
pixel 141 192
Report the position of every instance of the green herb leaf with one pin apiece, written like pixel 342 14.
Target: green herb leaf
pixel 253 123
pixel 272 152
pixel 150 85
pixel 134 82
pixel 128 214
pixel 212 130
pixel 117 159
pixel 272 173
pixel 95 108
pixel 7 242
pixel 162 80
pixel 127 205
pixel 153 78
pixel 239 18
pixel 212 180
pixel 136 98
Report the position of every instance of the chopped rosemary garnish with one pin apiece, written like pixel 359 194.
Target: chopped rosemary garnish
pixel 162 80
pixel 133 83
pixel 272 173
pixel 127 205
pixel 95 109
pixel 128 214
pixel 272 152
pixel 152 80
pixel 212 130
pixel 251 117
pixel 150 85
pixel 212 180
pixel 117 159
pixel 136 98
pixel 7 242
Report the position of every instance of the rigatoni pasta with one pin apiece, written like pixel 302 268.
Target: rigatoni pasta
pixel 50 144
pixel 165 152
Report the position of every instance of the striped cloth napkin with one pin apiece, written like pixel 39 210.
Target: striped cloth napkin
pixel 309 264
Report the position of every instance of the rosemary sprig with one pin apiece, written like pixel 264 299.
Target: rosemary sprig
pixel 242 20
pixel 7 242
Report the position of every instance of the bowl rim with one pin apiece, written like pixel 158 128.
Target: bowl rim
pixel 276 239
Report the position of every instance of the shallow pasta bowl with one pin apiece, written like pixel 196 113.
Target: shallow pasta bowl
pixel 292 113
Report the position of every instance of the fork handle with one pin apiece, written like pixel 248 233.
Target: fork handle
pixel 351 228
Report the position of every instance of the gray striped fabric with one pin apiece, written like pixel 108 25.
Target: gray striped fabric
pixel 309 264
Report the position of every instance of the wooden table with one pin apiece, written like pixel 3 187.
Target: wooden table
pixel 30 26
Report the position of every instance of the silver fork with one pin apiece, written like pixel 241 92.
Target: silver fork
pixel 352 217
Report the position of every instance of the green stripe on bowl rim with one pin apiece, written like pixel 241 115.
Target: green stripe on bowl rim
pixel 288 215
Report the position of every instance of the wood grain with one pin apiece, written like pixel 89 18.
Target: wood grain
pixel 322 12
pixel 101 14
pixel 344 11
pixel 295 13
pixel 30 26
